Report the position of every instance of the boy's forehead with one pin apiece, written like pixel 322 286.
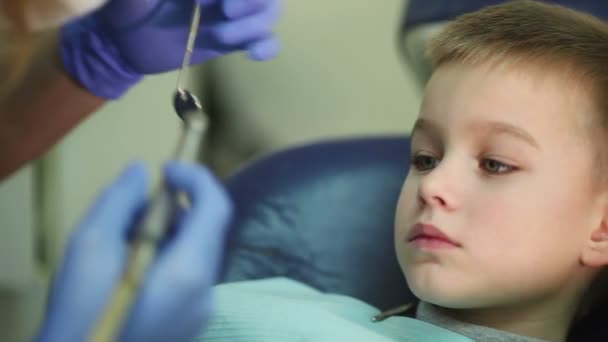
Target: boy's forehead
pixel 518 95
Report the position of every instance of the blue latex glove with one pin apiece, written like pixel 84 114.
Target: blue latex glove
pixel 175 302
pixel 109 50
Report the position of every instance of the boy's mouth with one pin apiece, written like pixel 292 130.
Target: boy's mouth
pixel 427 236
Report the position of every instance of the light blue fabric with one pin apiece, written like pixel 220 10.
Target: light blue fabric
pixel 280 309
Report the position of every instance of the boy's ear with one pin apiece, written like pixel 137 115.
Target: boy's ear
pixel 595 252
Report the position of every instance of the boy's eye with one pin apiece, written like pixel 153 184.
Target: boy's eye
pixel 424 162
pixel 495 167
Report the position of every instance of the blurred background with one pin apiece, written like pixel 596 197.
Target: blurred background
pixel 339 74
pixel 347 68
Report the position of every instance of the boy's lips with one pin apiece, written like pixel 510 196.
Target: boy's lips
pixel 428 236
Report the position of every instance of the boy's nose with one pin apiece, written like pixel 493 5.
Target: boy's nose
pixel 437 189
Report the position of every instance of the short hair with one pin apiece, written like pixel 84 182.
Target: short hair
pixel 535 32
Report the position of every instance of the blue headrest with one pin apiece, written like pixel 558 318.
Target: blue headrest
pixel 428 11
pixel 322 214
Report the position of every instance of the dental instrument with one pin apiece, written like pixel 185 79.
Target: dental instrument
pixel 152 228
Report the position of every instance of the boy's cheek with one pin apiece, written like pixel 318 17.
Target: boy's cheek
pixel 404 214
pixel 408 195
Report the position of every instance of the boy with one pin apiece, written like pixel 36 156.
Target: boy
pixel 506 201
pixel 502 223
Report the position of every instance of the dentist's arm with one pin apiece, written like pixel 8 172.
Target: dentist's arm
pixel 41 107
pixel 102 55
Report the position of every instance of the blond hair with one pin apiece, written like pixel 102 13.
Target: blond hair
pixel 524 29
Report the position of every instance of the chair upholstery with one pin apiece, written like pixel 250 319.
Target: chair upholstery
pixel 322 214
pixel 419 12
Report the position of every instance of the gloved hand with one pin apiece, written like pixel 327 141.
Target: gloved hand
pixel 109 50
pixel 175 300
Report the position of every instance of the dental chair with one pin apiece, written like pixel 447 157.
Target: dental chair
pixel 323 214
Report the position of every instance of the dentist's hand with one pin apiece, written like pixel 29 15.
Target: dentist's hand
pixel 109 50
pixel 175 301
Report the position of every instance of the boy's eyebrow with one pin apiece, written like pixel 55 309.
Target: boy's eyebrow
pixel 488 127
pixel 427 126
pixel 498 127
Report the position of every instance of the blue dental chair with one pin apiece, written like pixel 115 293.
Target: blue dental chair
pixel 323 214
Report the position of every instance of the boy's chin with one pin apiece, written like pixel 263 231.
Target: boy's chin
pixel 449 293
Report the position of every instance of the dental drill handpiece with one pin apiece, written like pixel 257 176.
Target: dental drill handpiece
pixel 153 226
pixel 152 229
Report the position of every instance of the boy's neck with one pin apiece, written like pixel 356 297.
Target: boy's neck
pixel 547 321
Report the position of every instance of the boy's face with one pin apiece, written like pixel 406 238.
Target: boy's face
pixel 501 166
